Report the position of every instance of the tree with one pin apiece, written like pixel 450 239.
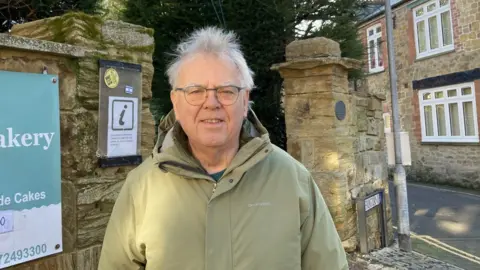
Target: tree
pixel 171 20
pixel 264 27
pixel 263 43
pixel 336 20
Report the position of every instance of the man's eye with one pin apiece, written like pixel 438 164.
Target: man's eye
pixel 227 91
pixel 195 90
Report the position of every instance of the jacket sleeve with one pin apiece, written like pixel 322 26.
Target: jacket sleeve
pixel 321 244
pixel 120 250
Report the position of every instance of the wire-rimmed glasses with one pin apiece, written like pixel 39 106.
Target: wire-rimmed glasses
pixel 196 95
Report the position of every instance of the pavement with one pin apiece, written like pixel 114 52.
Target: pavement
pixel 391 258
pixel 444 223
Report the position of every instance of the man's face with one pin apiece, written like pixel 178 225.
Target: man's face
pixel 210 123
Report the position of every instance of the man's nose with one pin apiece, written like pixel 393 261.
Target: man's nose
pixel 212 100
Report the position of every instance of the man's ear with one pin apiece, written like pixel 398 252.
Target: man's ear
pixel 246 100
pixel 174 99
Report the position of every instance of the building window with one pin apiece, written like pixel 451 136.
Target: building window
pixel 375 54
pixel 433 28
pixel 449 114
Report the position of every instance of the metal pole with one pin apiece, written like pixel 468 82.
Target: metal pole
pixel 399 174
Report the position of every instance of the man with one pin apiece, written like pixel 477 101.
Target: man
pixel 216 194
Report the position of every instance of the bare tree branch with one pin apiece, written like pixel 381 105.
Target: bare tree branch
pixel 14 7
pixel 13 4
pixel 309 28
pixel 13 12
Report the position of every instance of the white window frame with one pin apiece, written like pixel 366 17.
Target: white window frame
pixel 426 15
pixel 459 99
pixel 375 37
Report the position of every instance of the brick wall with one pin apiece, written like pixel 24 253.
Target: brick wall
pixel 416 127
pixel 363 38
pixel 442 163
pixel 456 28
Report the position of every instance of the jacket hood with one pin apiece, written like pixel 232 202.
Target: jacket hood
pixel 171 152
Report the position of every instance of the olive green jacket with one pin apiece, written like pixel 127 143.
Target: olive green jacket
pixel 265 212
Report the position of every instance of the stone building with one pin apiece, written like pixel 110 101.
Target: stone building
pixel 437 51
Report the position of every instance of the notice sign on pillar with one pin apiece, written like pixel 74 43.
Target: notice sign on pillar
pixel 30 168
pixel 122 119
pixel 119 113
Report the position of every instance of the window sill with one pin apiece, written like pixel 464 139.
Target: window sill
pixel 375 72
pixel 426 57
pixel 453 143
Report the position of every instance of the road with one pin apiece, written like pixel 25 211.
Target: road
pixel 449 215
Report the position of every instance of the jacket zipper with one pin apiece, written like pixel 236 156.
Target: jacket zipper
pixel 214 188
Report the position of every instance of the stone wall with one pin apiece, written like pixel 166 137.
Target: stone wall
pixel 88 192
pixel 345 156
pixel 370 155
pixel 447 163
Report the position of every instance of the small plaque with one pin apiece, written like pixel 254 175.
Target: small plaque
pixel 111 78
pixel 340 110
pixel 120 108
pixel 128 89
pixel 373 201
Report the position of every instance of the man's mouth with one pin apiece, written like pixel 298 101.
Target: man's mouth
pixel 212 121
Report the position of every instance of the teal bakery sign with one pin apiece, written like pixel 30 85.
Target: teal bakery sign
pixel 30 167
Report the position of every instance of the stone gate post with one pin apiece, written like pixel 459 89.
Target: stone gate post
pixel 70 46
pixel 324 131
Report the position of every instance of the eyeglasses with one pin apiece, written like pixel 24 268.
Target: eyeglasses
pixel 196 95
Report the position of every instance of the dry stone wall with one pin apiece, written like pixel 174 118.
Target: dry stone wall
pixel 370 159
pixel 71 46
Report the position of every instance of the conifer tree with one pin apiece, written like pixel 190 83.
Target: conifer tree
pixel 264 29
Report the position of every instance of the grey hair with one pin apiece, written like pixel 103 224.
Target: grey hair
pixel 211 40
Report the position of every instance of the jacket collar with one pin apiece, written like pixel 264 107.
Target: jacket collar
pixel 171 148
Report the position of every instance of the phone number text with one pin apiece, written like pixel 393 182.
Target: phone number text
pixel 21 254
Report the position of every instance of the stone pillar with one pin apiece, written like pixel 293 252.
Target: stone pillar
pixel 316 86
pixel 315 78
pixel 70 46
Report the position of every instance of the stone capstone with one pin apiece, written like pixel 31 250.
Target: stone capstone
pixel 126 34
pixel 92 32
pixel 312 48
pixel 35 45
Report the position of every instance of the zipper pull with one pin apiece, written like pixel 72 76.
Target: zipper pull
pixel 213 192
pixel 214 187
